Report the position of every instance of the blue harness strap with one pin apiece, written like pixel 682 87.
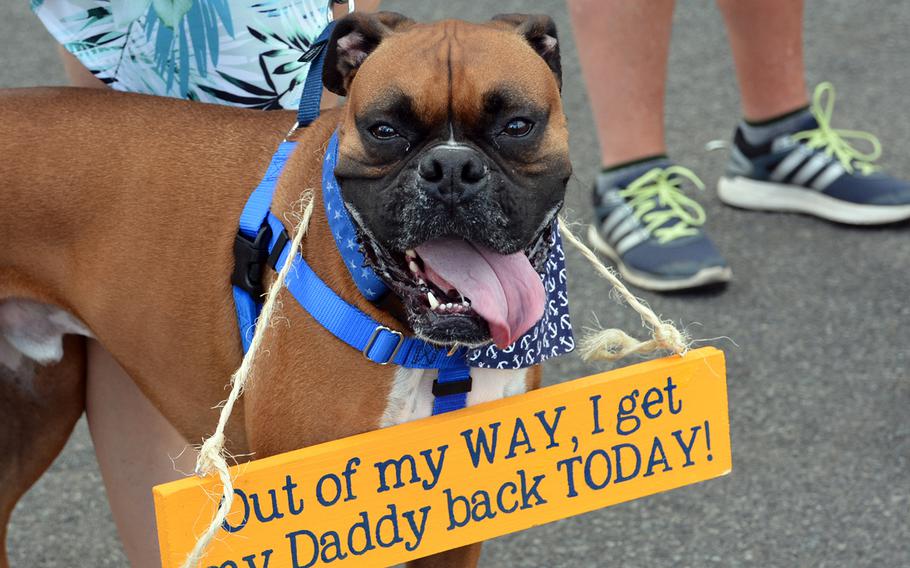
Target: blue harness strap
pixel 451 388
pixel 250 246
pixel 262 240
pixel 312 88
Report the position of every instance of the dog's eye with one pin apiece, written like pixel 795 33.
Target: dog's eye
pixel 383 131
pixel 518 127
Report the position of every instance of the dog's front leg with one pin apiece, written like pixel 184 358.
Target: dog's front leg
pixel 464 557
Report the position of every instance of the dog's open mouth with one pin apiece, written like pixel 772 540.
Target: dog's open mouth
pixel 458 291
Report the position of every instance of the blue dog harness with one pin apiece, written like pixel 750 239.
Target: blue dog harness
pixel 262 240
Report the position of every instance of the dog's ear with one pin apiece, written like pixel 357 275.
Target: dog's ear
pixel 540 32
pixel 356 36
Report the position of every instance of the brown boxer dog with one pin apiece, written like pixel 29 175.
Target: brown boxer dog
pixel 119 213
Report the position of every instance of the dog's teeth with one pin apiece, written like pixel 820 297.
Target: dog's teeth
pixel 410 254
pixel 434 303
pixel 413 266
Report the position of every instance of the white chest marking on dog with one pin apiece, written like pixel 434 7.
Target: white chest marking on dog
pixel 411 396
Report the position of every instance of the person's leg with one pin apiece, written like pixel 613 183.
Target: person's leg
pixel 341 9
pixel 623 47
pixel 766 38
pixel 77 73
pixel 784 156
pixel 134 445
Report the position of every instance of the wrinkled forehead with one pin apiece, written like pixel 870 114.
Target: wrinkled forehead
pixel 453 69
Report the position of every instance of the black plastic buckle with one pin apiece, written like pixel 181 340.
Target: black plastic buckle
pixel 452 387
pixel 249 260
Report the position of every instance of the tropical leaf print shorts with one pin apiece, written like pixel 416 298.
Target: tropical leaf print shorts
pixel 246 53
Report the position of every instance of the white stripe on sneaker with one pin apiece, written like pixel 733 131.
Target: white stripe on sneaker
pixel 624 228
pixel 613 219
pixel 649 281
pixel 789 163
pixel 828 176
pixel 631 240
pixel 812 167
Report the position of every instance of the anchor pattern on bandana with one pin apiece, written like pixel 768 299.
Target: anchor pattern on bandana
pixel 550 337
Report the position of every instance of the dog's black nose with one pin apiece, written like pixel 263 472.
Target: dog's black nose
pixel 452 174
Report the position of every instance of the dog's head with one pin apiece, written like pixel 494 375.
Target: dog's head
pixel 453 161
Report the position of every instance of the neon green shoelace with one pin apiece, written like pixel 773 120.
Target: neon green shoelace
pixel 834 140
pixel 660 187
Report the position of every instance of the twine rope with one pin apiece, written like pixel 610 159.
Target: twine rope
pixel 212 458
pixel 615 344
pixel 608 344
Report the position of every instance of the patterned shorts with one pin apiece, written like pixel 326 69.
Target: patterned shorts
pixel 246 53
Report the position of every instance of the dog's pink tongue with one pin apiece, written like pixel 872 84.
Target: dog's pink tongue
pixel 503 289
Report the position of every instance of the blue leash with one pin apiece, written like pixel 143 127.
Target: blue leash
pixel 262 240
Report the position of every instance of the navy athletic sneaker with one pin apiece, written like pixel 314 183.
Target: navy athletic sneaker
pixel 802 164
pixel 651 230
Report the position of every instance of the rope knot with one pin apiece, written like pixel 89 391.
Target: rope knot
pixel 210 458
pixel 670 338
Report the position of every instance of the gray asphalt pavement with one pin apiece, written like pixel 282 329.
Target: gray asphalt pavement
pixel 818 379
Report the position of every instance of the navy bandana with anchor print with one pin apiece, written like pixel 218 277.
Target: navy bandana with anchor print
pixel 550 337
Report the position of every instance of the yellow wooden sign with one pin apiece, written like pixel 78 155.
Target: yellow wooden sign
pixel 404 492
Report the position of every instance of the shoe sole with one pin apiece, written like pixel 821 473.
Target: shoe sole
pixel 704 277
pixel 768 196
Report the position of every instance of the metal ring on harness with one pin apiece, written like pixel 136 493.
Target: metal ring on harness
pixel 372 340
